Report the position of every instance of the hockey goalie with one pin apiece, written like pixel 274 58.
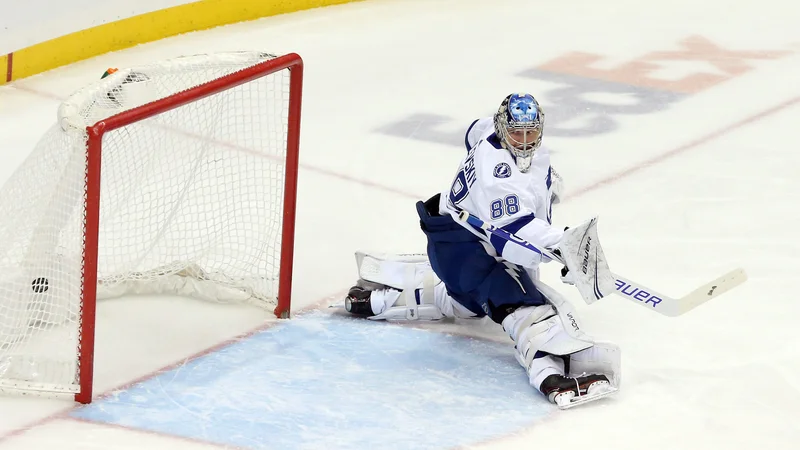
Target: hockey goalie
pixel 505 180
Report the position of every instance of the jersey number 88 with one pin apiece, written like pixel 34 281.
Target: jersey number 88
pixel 508 206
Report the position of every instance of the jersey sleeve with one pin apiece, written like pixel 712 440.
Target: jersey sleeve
pixel 536 231
pixel 476 130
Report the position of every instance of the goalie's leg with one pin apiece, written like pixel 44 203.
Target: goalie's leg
pixel 385 303
pixel 401 287
pixel 566 365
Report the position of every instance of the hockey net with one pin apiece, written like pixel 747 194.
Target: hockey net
pixel 198 157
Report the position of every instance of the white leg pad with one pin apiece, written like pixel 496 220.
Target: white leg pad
pixel 409 289
pixel 394 270
pixel 543 329
pixel 539 329
pixel 569 317
pixel 602 357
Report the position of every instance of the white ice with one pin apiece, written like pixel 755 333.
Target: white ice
pixel 722 376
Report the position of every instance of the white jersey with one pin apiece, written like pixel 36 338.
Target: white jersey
pixel 489 186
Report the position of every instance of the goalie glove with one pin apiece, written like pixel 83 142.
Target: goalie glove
pixel 566 276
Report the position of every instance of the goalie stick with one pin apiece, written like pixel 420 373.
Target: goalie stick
pixel 632 290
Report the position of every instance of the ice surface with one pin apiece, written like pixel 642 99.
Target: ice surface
pixel 680 134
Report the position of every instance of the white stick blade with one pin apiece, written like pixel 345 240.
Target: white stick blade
pixel 712 289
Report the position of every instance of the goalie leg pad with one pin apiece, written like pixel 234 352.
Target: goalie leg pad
pixel 541 341
pixel 603 358
pixel 391 305
pixel 394 270
pixel 539 329
pixel 404 287
pixel 547 336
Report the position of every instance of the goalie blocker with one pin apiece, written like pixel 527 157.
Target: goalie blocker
pixel 584 258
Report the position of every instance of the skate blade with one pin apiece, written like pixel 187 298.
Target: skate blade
pixel 577 401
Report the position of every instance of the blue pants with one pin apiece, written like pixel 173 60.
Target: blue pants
pixel 473 278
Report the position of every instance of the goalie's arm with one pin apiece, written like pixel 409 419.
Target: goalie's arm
pixel 528 252
pixel 592 277
pixel 533 230
pixel 630 289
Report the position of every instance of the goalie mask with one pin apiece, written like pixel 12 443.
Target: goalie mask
pixel 519 124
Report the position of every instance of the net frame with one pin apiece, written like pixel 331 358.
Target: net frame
pixel 94 149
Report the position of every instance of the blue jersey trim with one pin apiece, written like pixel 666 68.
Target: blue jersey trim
pixel 495 141
pixel 466 135
pixel 549 182
pixel 549 179
pixel 499 243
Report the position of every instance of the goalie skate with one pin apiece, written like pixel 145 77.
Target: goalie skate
pixel 570 392
pixel 594 394
pixel 357 301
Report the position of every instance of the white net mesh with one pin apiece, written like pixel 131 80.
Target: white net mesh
pixel 191 204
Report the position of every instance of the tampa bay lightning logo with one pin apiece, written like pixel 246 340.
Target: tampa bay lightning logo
pixel 522 108
pixel 502 170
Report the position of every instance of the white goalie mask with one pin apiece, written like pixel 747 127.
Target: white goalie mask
pixel 519 124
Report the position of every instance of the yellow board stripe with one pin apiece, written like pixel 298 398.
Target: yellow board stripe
pixel 5 67
pixel 143 28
